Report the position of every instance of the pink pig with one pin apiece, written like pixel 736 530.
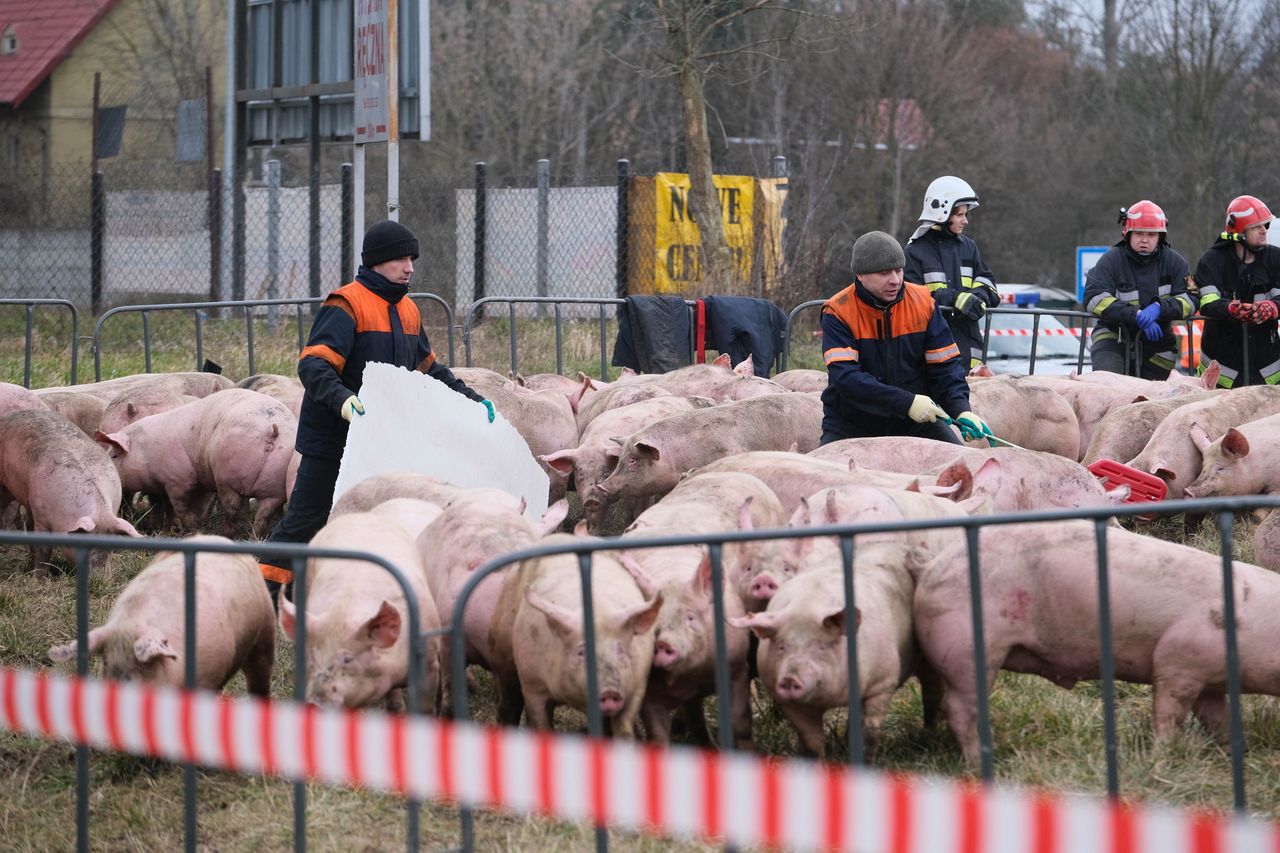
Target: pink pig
pixel 144 637
pixel 236 444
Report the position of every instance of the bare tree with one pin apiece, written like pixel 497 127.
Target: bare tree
pixel 693 40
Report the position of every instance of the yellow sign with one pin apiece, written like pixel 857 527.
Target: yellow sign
pixel 771 219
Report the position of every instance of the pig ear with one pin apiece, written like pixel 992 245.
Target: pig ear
pixel 625 373
pixel 800 518
pixel 612 451
pixel 1141 398
pixel 647 587
pixel 384 628
pixel 834 621
pixel 560 461
pixel 833 511
pixel 958 473
pixel 763 625
pixel 1234 444
pixel 516 378
pixel 1199 437
pixel 723 360
pixel 117 439
pixel 914 486
pixel 1163 472
pixel 1211 374
pixel 553 517
pixel 746 368
pixel 702 577
pixel 562 620
pixel 642 619
pixel 288 615
pixel 580 529
pixel 67 651
pixel 147 649
pixel 853 464
pixel 744 515
pixel 648 450
pixel 1119 494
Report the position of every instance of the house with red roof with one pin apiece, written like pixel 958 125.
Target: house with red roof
pixel 150 54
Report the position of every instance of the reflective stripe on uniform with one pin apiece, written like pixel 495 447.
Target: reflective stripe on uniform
pixel 1165 289
pixel 1209 298
pixel 1128 296
pixel 1100 303
pixel 839 354
pixel 1271 373
pixel 1209 290
pixel 1227 376
pixel 1104 335
pixel 1163 360
pixel 982 281
pixel 937 356
pixel 1188 307
pixel 935 277
pixel 275 573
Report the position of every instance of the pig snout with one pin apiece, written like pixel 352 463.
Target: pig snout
pixel 664 654
pixel 791 688
pixel 763 588
pixel 610 702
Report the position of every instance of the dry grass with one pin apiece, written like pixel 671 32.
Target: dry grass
pixel 1045 736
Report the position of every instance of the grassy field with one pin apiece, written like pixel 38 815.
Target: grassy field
pixel 1045 736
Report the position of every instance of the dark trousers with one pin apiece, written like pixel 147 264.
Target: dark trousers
pixel 937 430
pixel 308 508
pixel 1113 357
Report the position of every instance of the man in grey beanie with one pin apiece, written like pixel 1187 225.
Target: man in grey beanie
pixel 893 367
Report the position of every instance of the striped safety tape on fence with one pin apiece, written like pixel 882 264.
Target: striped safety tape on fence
pixel 739 798
pixel 1180 331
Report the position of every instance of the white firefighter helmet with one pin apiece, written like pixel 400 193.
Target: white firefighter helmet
pixel 939 199
pixel 943 194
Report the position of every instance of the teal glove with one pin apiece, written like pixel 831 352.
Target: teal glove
pixel 489 406
pixel 972 427
pixel 351 407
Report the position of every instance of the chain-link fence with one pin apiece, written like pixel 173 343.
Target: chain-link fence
pixel 149 237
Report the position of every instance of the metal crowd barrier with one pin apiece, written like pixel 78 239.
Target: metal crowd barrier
pixel 30 305
pixel 476 312
pixel 1222 508
pixel 298 555
pixel 200 312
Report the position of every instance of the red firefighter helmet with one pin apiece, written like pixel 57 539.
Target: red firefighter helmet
pixel 1143 216
pixel 1246 211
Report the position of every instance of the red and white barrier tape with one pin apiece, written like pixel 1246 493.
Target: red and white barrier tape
pixel 743 799
pixel 1180 331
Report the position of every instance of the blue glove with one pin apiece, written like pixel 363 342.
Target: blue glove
pixel 1149 322
pixel 489 406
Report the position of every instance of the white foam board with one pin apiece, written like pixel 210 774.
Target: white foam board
pixel 414 423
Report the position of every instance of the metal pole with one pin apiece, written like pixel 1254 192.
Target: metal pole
pixel 228 148
pixel 544 215
pixel 779 166
pixel 189 792
pixel 595 723
pixel 357 208
pixel 724 689
pixel 213 216
pixel 393 110
pixel 299 690
pixel 979 655
pixel 1108 661
pixel 238 147
pixel 348 236
pixel 1225 523
pixel 854 686
pixel 313 229
pixel 620 230
pixel 273 238
pixel 477 290
pixel 96 206
pixel 82 670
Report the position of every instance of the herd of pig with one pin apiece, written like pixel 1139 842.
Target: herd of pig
pixel 703 450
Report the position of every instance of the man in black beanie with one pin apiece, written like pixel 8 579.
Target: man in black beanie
pixel 893 367
pixel 370 319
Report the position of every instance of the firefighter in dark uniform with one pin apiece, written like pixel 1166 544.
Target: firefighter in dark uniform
pixel 1137 288
pixel 1239 282
pixel 892 366
pixel 370 319
pixel 943 259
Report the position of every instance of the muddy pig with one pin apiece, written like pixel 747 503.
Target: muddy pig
pixel 144 638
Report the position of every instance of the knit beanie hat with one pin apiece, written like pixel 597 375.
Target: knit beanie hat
pixel 386 241
pixel 877 251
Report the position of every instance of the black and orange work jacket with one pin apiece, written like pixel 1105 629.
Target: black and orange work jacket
pixel 367 320
pixel 880 356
